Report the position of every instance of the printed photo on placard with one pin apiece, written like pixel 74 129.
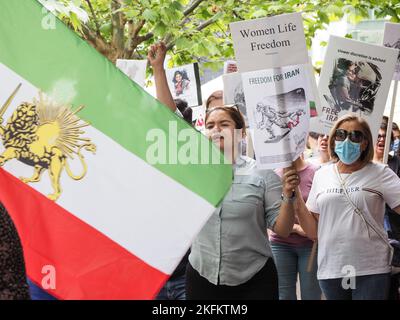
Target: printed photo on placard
pixel 230 66
pixel 391 39
pixel 353 85
pixel 278 110
pixel 184 83
pixel 355 78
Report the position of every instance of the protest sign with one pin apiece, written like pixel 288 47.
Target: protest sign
pixel 391 39
pixel 134 69
pixel 233 91
pixel 184 83
pixel 269 42
pixel 355 78
pixel 278 111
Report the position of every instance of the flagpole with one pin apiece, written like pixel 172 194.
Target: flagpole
pixel 389 125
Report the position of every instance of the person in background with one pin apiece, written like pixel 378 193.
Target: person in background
pixel 311 147
pixel 348 199
pixel 215 99
pixel 185 110
pixel 13 282
pixel 292 254
pixel 231 257
pixel 396 138
pixel 322 156
pixel 392 219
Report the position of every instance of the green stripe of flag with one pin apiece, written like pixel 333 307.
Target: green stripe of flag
pixel 113 103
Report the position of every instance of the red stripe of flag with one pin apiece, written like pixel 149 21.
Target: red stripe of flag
pixel 88 264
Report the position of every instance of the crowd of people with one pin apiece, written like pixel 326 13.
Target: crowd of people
pixel 320 225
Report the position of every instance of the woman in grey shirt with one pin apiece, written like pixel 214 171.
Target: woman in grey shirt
pixel 231 257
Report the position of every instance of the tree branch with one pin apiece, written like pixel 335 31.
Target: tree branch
pixel 96 22
pixel 200 27
pixel 205 24
pixel 118 25
pixel 191 7
pixel 97 42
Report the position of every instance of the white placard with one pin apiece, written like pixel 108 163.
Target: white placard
pixel 391 39
pixel 269 42
pixel 355 78
pixel 278 110
pixel 233 91
pixel 134 69
pixel 184 83
pixel 230 66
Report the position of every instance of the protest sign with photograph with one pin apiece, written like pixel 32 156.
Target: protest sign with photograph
pixel 230 66
pixel 391 39
pixel 269 42
pixel 355 78
pixel 184 83
pixel 233 91
pixel 278 110
pixel 134 69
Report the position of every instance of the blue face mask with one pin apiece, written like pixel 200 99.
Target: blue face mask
pixel 348 151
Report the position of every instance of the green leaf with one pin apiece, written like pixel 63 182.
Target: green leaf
pixel 145 3
pixel 106 28
pixel 323 17
pixel 200 50
pixel 160 29
pixel 260 13
pixel 183 43
pixel 76 23
pixel 176 5
pixel 150 15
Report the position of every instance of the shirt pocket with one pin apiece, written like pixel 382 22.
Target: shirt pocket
pixel 248 189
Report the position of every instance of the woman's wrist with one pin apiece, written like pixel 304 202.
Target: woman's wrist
pixel 158 69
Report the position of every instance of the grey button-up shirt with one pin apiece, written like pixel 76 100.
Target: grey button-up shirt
pixel 233 245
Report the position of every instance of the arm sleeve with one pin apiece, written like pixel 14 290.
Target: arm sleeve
pixel 312 204
pixel 272 198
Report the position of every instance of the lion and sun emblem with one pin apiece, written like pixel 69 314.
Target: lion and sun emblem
pixel 44 135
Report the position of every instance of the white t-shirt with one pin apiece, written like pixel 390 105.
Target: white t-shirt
pixel 344 244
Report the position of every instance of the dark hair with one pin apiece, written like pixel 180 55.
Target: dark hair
pixel 216 95
pixel 182 73
pixel 344 64
pixel 181 104
pixel 384 128
pixel 313 135
pixel 233 112
pixel 395 126
pixel 184 108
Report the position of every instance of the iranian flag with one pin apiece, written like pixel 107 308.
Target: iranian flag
pixel 106 186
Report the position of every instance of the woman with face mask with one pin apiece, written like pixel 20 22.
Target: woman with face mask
pixel 348 200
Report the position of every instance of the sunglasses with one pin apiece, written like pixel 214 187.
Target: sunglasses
pixel 354 136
